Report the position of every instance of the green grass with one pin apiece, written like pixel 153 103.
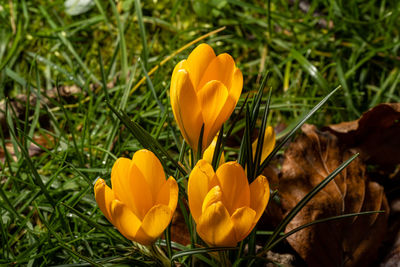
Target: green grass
pixel 47 210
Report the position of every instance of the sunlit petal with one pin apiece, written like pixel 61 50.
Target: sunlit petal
pixel 140 191
pixel 237 85
pixel 198 62
pixel 168 194
pixel 186 108
pixel 126 222
pixel 104 196
pixel 215 226
pixel 223 116
pixel 156 220
pixel 121 182
pixel 259 191
pixel 268 144
pixel 209 152
pixel 234 186
pixel 213 196
pixel 198 187
pixel 243 222
pixel 151 168
pixel 221 68
pixel 212 98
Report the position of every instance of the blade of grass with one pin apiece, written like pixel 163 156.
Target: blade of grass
pixel 122 44
pixel 200 144
pixel 218 151
pixel 96 225
pixel 142 29
pixel 200 251
pixel 260 142
pixel 343 82
pixel 292 132
pixel 146 139
pixel 33 170
pixel 13 48
pixel 310 69
pixel 150 84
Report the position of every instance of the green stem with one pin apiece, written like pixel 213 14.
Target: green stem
pixel 159 255
pixel 223 259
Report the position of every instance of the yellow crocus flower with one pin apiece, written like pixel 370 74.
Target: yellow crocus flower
pixel 205 89
pixel 268 144
pixel 209 153
pixel 141 202
pixel 223 204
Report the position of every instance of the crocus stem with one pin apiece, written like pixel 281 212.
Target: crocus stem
pixel 159 255
pixel 223 259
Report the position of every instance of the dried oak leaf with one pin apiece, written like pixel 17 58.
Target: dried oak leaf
pixel 346 242
pixel 376 135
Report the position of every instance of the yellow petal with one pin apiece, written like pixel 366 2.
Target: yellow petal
pixel 215 226
pixel 126 222
pixel 140 192
pixel 209 152
pixel 237 85
pixel 234 186
pixel 174 81
pixel 186 108
pixel 212 98
pixel 259 191
pixel 221 69
pixel 152 170
pixel 198 62
pixel 223 116
pixel 212 197
pixel 168 194
pixel 268 144
pixel 155 221
pixel 243 222
pixel 198 187
pixel 104 196
pixel 121 182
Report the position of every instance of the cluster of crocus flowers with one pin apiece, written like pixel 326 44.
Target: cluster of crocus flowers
pixel 141 202
pixel 223 204
pixel 205 89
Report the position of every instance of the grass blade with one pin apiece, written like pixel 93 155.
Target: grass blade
pixel 292 132
pixel 146 139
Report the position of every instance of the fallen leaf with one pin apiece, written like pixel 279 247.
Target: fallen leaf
pixel 179 229
pixel 376 135
pixel 346 242
pixel 46 141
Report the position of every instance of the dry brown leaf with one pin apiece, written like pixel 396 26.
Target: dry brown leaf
pixel 350 242
pixel 33 149
pixel 179 229
pixel 376 135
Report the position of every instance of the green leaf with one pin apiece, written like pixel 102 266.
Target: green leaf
pixel 295 128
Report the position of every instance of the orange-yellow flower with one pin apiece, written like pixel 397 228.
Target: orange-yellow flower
pixel 209 153
pixel 268 143
pixel 223 204
pixel 141 202
pixel 204 90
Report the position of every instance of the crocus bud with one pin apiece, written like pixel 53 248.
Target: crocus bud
pixel 205 89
